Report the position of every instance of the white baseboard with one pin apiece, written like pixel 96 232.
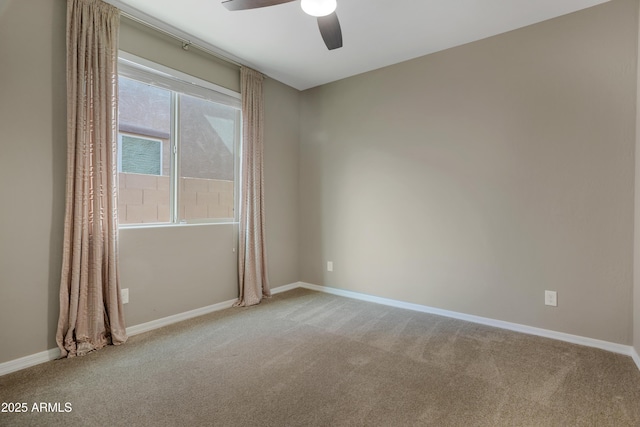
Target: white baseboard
pixel 561 336
pixel 285 288
pixel 165 321
pixel 54 353
pixel 635 357
pixel 28 361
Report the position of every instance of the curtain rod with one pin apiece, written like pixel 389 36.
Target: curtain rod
pixel 186 42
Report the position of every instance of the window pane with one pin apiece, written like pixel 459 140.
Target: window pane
pixel 208 135
pixel 144 157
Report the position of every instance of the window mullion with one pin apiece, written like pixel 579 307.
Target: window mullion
pixel 175 153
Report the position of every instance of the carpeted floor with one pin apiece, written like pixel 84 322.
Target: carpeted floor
pixel 309 359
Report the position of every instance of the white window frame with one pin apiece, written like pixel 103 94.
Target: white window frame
pixel 145 71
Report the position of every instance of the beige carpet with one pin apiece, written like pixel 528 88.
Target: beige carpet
pixel 309 359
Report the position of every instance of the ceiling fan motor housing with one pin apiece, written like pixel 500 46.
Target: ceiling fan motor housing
pixel 318 7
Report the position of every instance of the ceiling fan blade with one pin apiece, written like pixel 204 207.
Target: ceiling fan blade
pixel 251 4
pixel 330 30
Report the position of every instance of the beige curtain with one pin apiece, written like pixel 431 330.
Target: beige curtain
pixel 252 257
pixel 90 306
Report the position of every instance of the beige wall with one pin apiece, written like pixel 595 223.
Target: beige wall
pixel 636 258
pixel 142 41
pixel 282 118
pixel 475 178
pixel 168 270
pixel 32 172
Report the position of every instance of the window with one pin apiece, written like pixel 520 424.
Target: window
pixel 178 147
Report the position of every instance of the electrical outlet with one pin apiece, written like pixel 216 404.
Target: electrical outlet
pixel 329 265
pixel 551 298
pixel 124 295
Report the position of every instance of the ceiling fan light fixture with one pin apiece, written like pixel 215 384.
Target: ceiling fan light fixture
pixel 318 7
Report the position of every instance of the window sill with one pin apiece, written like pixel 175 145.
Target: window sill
pixel 171 225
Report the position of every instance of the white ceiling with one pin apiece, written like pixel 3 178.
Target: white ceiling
pixel 285 44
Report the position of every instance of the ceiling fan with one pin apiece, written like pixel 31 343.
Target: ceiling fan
pixel 324 10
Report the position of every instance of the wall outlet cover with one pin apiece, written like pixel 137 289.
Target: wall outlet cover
pixel 551 298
